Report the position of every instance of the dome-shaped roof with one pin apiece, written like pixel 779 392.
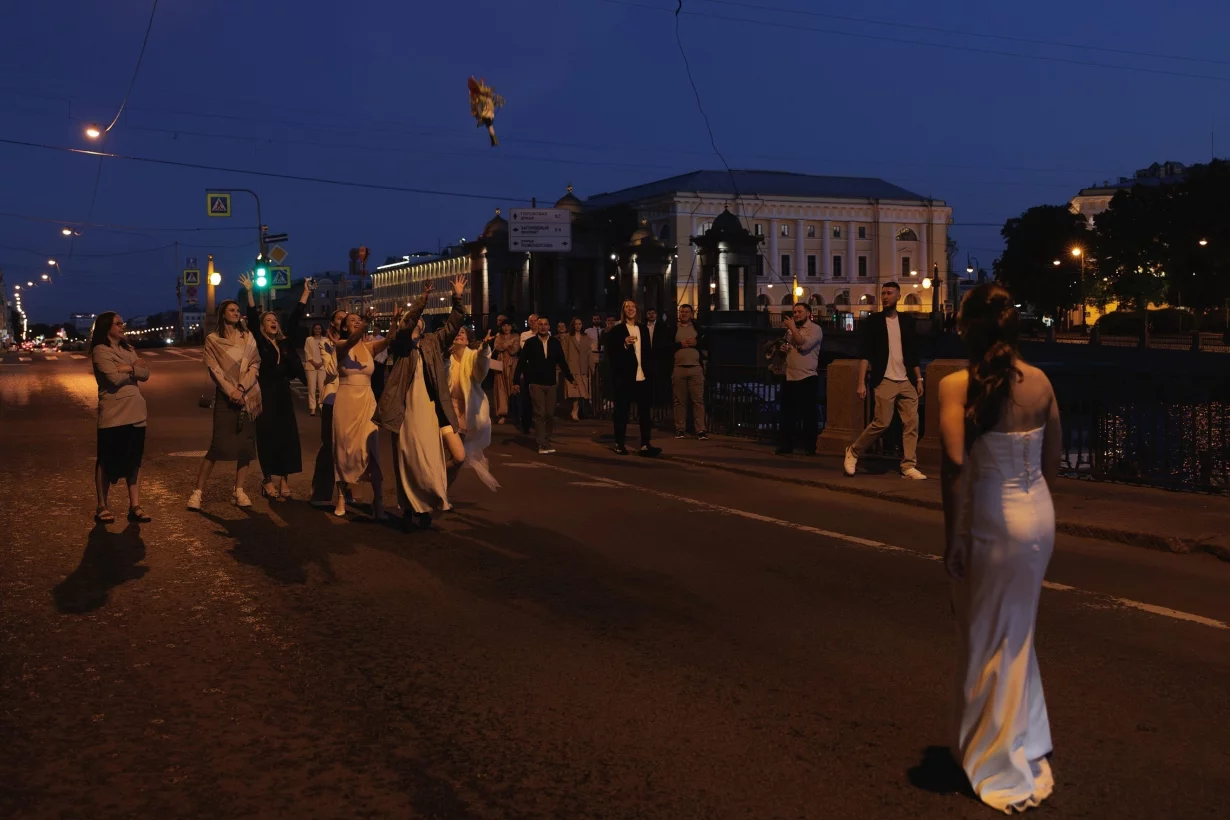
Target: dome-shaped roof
pixel 727 222
pixel 641 234
pixel 498 224
pixel 570 202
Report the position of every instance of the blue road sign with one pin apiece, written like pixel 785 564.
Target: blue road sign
pixel 279 277
pixel 218 204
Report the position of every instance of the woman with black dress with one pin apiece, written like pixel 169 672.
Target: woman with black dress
pixel 277 432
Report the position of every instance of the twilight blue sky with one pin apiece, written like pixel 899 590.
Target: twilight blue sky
pixel 597 96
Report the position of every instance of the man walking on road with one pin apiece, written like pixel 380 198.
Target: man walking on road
pixel 688 377
pixel 540 356
pixel 800 396
pixel 888 347
pixel 525 412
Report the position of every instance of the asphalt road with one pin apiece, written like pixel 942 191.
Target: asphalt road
pixel 602 638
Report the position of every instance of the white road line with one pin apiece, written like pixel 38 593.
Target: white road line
pixel 181 354
pixel 145 353
pixel 1102 598
pixel 24 359
pixel 76 356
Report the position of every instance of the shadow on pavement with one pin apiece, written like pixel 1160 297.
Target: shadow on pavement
pixel 939 773
pixel 285 553
pixel 110 559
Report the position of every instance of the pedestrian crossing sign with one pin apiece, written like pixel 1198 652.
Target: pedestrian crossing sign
pixel 192 278
pixel 218 204
pixel 279 277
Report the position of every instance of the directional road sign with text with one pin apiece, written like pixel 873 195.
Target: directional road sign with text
pixel 540 229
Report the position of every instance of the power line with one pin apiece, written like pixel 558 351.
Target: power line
pixel 949 46
pixel 140 56
pixel 959 32
pixel 267 174
pixel 105 226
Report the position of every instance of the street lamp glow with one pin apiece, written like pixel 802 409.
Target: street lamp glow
pixel 1076 252
pixel 798 293
pixel 93 131
pixel 215 279
pixel 45 277
pixel 1204 242
pixel 51 262
pixel 66 231
pixel 1055 263
pixel 927 283
pixel 913 273
pixel 969 268
pixel 29 284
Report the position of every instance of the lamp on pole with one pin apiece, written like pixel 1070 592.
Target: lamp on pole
pixel 1079 253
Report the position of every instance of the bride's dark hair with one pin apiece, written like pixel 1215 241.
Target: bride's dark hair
pixel 991 328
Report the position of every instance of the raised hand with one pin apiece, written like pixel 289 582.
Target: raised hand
pixel 428 287
pixel 459 286
pixel 245 279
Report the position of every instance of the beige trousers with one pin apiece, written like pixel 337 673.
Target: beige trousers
pixel 899 397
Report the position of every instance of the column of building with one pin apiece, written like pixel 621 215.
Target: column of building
pixel 800 253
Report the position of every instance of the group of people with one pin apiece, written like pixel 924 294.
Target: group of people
pixel 999 427
pixel 439 422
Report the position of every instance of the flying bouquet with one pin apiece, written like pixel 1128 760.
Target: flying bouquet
pixel 483 103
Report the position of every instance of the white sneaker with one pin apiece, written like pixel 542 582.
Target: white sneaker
pixel 241 498
pixel 194 500
pixel 545 451
pixel 850 464
pixel 913 474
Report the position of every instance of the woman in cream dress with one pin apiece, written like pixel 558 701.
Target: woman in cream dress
pixel 467 369
pixel 999 424
pixel 356 438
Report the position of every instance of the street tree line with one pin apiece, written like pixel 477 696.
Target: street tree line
pixel 1155 244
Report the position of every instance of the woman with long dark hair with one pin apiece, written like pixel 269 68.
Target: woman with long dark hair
pixel 121 415
pixel 277 431
pixel 578 351
pixel 507 347
pixel 233 362
pixel 999 425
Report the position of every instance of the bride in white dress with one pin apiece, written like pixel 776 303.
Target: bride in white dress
pixel 999 423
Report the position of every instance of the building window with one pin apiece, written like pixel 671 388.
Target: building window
pixel 811 264
pixel 785 229
pixel 906 235
pixel 862 231
pixel 665 233
pixel 705 227
pixel 905 267
pixel 862 266
pixel 760 267
pixel 837 232
pixel 785 269
pixel 837 272
pixel 758 229
pixel 811 231
pixel 912 299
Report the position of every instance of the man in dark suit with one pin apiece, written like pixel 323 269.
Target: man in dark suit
pixel 889 351
pixel 632 373
pixel 661 337
pixel 540 355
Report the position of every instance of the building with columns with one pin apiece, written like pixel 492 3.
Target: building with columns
pixel 839 237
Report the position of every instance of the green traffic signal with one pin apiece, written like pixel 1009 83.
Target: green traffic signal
pixel 261 274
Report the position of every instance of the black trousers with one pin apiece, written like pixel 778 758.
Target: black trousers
pixel 322 474
pixel 800 414
pixel 640 393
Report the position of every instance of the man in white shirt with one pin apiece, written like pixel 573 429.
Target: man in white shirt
pixel 323 482
pixel 595 331
pixel 800 395
pixel 632 373
pixel 889 351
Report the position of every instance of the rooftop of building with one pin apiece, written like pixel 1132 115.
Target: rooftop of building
pixel 759 183
pixel 1159 173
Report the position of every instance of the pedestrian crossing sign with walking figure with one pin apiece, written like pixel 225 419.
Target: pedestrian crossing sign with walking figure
pixel 218 204
pixel 192 277
pixel 279 278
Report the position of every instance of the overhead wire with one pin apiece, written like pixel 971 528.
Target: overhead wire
pixel 927 44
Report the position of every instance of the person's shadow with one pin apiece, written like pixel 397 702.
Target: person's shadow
pixel 939 773
pixel 110 559
pixel 284 553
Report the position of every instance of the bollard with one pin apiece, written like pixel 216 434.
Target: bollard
pixel 930 450
pixel 845 414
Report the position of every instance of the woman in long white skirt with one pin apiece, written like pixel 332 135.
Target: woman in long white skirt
pixel 467 369
pixel 999 423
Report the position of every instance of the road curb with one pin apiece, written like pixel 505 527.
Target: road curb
pixel 1133 538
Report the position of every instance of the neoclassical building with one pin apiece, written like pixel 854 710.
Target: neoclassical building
pixel 839 237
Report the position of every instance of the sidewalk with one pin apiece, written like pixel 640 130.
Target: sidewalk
pixel 1139 516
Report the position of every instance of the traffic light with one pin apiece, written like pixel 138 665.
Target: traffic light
pixel 260 273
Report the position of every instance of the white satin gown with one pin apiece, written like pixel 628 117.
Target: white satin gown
pixel 1004 736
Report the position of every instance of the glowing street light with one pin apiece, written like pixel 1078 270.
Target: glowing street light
pixel 1204 242
pixel 66 231
pixel 1076 252
pixel 45 277
pixel 1055 263
pixel 93 131
pixel 798 293
pixel 215 279
pixel 51 262
pixel 927 283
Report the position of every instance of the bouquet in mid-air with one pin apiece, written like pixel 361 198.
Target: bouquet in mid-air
pixel 483 103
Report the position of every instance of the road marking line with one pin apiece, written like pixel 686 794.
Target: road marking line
pixel 181 354
pixel 189 454
pixel 1126 603
pixel 76 356
pixel 24 359
pixel 145 353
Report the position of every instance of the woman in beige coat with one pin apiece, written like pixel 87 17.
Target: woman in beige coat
pixel 121 415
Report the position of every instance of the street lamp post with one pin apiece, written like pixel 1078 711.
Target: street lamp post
pixel 1080 253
